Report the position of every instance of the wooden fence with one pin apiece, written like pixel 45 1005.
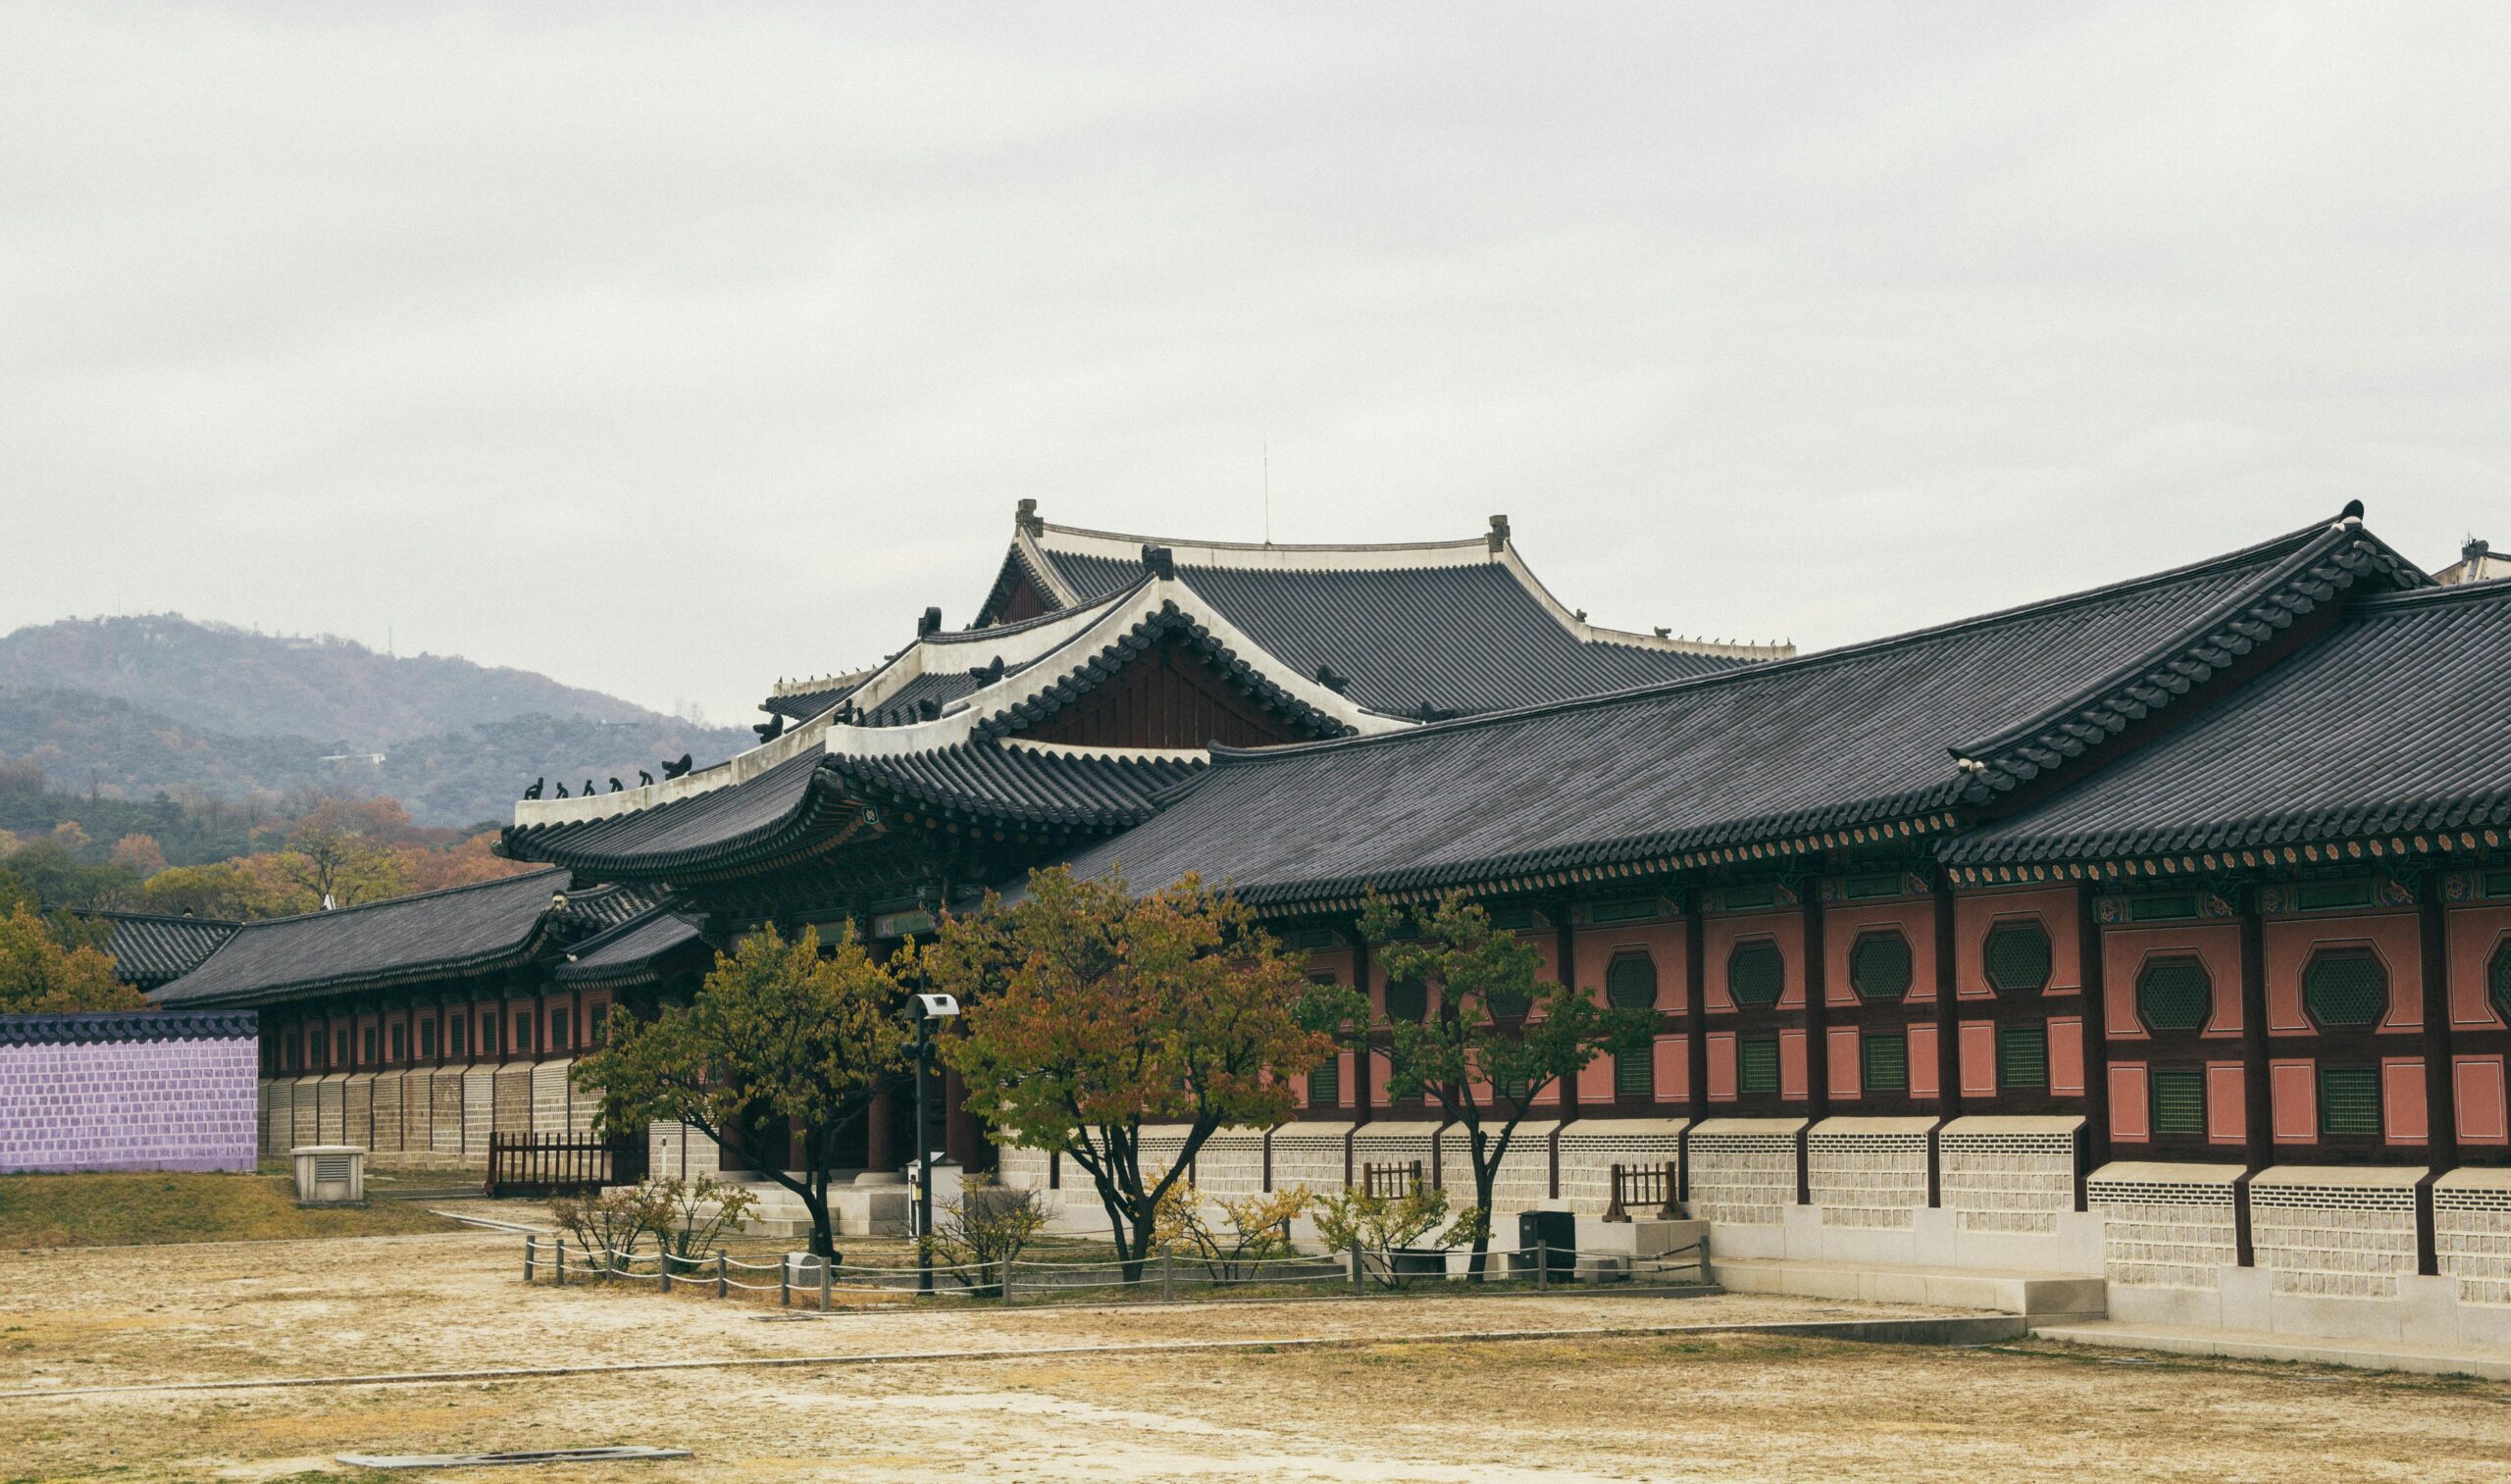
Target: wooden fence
pixel 1640 1186
pixel 561 1165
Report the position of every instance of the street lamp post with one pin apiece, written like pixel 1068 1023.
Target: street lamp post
pixel 929 1008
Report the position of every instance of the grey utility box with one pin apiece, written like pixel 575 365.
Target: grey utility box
pixel 330 1174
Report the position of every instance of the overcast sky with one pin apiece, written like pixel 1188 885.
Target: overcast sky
pixel 669 350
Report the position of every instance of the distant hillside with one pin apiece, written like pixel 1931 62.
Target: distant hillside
pixel 86 743
pixel 227 680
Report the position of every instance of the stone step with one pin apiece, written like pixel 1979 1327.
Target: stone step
pixel 2252 1345
pixel 2049 1296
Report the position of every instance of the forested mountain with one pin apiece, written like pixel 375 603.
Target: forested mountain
pixel 127 710
pixel 244 684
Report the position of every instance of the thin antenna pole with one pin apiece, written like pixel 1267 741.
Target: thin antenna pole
pixel 1268 491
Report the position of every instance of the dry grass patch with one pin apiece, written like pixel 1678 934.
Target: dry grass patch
pixel 129 1209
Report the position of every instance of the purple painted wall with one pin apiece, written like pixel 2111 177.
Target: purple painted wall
pixel 137 1092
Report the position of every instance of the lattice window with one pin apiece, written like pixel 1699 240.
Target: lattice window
pixel 2022 1056
pixel 1514 1089
pixel 1630 982
pixel 2345 988
pixel 1407 999
pixel 1878 965
pixel 1325 1083
pixel 2017 957
pixel 1634 1075
pixel 2498 980
pixel 2174 995
pixel 1757 1065
pixel 1885 1061
pixel 1510 1004
pixel 426 1040
pixel 2180 1100
pixel 1756 973
pixel 2349 1099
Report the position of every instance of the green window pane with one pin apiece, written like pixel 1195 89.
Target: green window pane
pixel 1757 1065
pixel 2320 895
pixel 1885 1061
pixel 2498 977
pixel 1407 999
pixel 2180 1100
pixel 2345 987
pixel 2174 995
pixel 1325 1084
pixel 1870 888
pixel 2349 1099
pixel 1634 1075
pixel 2017 958
pixel 1632 909
pixel 1514 1089
pixel 1630 982
pixel 2022 1056
pixel 1878 966
pixel 1511 1004
pixel 1756 973
pixel 2171 908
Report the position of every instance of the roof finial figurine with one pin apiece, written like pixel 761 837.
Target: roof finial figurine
pixel 535 790
pixel 2353 511
pixel 680 769
pixel 1666 633
pixel 1161 561
pixel 562 790
pixel 1332 679
pixel 1499 534
pixel 930 623
pixel 587 788
pixel 771 728
pixel 615 784
pixel 645 779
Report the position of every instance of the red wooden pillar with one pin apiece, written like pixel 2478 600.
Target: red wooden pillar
pixel 1948 1002
pixel 2440 1108
pixel 1696 1003
pixel 2258 1133
pixel 2091 973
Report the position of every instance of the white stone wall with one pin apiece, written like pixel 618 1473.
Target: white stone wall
pixel 2472 1231
pixel 554 1098
pixel 1867 1177
pixel 384 1103
pixel 357 1102
pixel 2164 1231
pixel 451 1117
pixel 1158 1149
pixel 1230 1167
pixel 1309 1155
pixel 1748 1179
pixel 1590 1148
pixel 1523 1180
pixel 2342 1240
pixel 2014 1180
pixel 1398 1144
pixel 479 1110
pixel 1024 1169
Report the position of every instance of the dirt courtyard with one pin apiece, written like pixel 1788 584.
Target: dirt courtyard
pixel 1393 1406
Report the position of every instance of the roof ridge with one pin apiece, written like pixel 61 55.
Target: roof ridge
pixel 2436 595
pixel 118 914
pixel 1819 658
pixel 627 925
pixel 1459 543
pixel 394 901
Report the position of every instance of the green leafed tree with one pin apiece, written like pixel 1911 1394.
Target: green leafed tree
pixel 781 1050
pixel 41 975
pixel 1089 1013
pixel 1498 1037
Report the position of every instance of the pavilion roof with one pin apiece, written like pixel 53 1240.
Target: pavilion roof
pixel 2395 729
pixel 1903 736
pixel 460 931
pixel 150 949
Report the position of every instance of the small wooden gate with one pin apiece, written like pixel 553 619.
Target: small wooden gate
pixel 1395 1181
pixel 1639 1186
pixel 561 1165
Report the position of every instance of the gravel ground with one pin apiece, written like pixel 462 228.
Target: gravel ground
pixel 1691 1408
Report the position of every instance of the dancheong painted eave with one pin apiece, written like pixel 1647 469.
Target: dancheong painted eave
pixel 1836 748
pixel 2388 740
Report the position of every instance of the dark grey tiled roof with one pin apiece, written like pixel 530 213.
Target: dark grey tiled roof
pixel 1769 753
pixel 1460 640
pixel 462 930
pixel 150 949
pixel 801 801
pixel 803 705
pixel 630 953
pixel 98 1027
pixel 2397 723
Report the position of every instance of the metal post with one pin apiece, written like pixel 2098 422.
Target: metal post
pixel 1542 1264
pixel 529 1243
pixel 558 1270
pixel 1167 1274
pixel 923 1159
pixel 825 1268
pixel 1006 1280
pixel 722 1287
pixel 784 1284
pixel 1356 1265
pixel 662 1266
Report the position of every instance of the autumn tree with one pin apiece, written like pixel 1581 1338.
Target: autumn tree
pixel 782 1045
pixel 139 854
pixel 1499 1037
pixel 40 976
pixel 1088 1012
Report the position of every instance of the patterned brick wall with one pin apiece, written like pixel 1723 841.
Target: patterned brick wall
pixel 128 1102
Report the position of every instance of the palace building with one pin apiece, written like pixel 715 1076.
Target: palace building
pixel 2159 933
